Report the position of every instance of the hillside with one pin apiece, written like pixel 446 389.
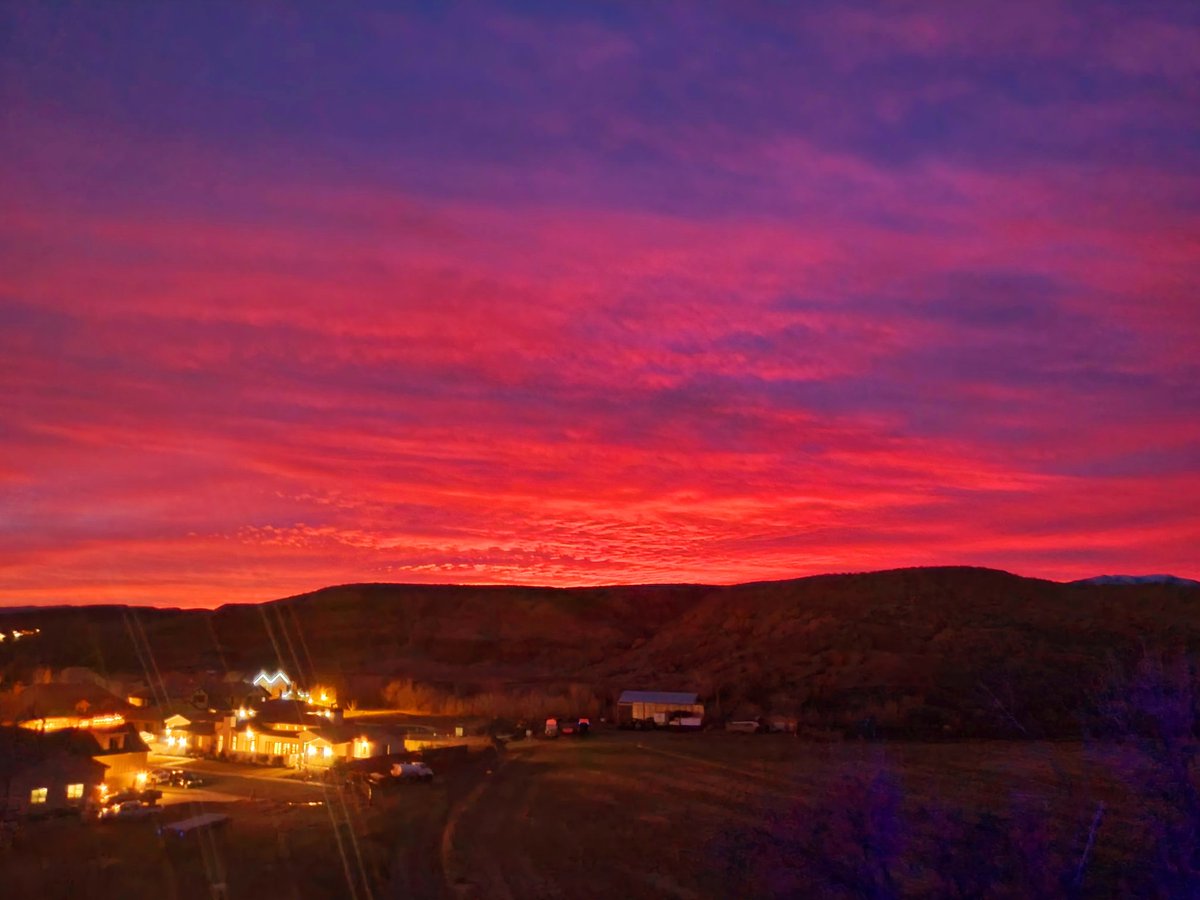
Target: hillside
pixel 923 651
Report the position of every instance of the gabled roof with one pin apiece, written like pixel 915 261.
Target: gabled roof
pixel 21 748
pixel 133 742
pixel 190 716
pixel 666 697
pixel 337 734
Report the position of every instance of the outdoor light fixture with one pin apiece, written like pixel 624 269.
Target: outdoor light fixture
pixel 262 679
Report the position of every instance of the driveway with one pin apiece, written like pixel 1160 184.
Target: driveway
pixel 226 781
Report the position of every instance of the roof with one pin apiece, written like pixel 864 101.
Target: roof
pixel 201 821
pixel 669 698
pixel 21 748
pixel 190 715
pixel 133 742
pixel 290 712
pixel 338 734
pixel 266 731
pixel 45 700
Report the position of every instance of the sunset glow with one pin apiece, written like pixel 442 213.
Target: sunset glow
pixel 649 293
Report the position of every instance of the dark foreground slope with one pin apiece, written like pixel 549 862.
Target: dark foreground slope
pixel 938 650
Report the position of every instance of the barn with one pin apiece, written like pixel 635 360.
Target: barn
pixel 657 707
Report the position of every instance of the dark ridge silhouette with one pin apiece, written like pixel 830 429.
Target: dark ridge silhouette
pixel 933 651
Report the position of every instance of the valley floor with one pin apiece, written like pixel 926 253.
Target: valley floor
pixel 640 815
pixel 699 816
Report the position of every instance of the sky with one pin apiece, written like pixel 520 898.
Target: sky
pixel 304 294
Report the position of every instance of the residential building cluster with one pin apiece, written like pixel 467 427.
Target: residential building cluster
pixel 82 737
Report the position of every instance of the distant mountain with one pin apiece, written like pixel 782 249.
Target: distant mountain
pixel 1172 580
pixel 946 652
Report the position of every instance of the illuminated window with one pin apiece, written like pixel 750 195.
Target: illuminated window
pixel 312 751
pixel 278 748
pixel 74 791
pixel 327 752
pixel 38 795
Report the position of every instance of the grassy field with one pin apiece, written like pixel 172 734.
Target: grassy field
pixel 653 815
pixel 684 816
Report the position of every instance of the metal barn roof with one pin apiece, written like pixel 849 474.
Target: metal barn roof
pixel 667 697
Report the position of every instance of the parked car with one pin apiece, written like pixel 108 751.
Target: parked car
pixel 160 776
pixel 744 726
pixel 183 779
pixel 127 810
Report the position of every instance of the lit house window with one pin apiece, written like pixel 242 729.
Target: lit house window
pixel 38 795
pixel 278 748
pixel 74 791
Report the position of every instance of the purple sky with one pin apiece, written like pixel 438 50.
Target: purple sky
pixel 546 293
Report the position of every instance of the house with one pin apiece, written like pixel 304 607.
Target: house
pixel 125 755
pixel 186 734
pixel 658 708
pixel 325 745
pixel 113 724
pixel 291 715
pixel 273 731
pixel 258 743
pixel 55 706
pixel 41 773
